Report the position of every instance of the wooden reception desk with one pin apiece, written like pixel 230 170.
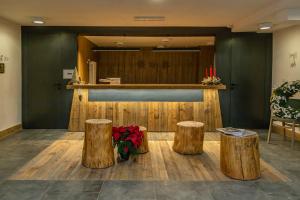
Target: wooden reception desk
pixel 157 113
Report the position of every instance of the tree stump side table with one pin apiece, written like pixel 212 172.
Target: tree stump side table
pixel 239 157
pixel 189 137
pixel 144 148
pixel 97 148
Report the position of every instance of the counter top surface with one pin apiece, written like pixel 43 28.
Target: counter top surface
pixel 146 86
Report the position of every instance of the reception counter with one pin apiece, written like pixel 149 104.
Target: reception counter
pixel 156 106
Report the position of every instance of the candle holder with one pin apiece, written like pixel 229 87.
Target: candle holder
pixel 214 80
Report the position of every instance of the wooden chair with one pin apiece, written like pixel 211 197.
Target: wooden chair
pixel 285 123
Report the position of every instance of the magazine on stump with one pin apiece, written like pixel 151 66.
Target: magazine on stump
pixel 236 131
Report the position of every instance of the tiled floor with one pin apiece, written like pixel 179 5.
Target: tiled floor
pixel 17 150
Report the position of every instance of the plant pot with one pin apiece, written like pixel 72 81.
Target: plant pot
pixel 124 157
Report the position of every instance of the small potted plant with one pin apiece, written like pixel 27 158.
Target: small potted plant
pixel 127 140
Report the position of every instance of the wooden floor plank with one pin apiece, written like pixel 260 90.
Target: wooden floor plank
pixel 62 161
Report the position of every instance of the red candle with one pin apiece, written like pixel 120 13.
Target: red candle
pixel 206 73
pixel 210 71
pixel 215 72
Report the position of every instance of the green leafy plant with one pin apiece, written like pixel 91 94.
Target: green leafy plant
pixel 279 100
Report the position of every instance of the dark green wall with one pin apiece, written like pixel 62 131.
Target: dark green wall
pixel 50 49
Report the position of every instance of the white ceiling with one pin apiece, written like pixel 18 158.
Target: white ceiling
pixel 167 42
pixel 242 15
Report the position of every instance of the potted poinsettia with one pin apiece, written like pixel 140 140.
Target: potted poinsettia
pixel 127 140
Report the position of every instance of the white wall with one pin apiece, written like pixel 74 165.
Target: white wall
pixel 10 81
pixel 285 42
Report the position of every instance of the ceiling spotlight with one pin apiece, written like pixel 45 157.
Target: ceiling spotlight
pixel 265 26
pixel 38 20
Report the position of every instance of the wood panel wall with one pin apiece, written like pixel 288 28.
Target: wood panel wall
pixel 155 67
pixel 84 54
pixel 156 116
pixel 206 57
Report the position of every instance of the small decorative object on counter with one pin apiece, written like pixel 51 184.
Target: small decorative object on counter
pixel 112 81
pixel 127 140
pixel 212 78
pixel 75 78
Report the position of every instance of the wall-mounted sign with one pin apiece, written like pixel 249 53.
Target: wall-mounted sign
pixel 3 58
pixel 2 68
pixel 68 73
pixel 293 58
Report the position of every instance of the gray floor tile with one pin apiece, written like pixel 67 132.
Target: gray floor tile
pixel 182 190
pixel 236 190
pixel 26 195
pixel 71 196
pixel 279 190
pixel 74 186
pixel 127 190
pixel 22 186
pixel 24 190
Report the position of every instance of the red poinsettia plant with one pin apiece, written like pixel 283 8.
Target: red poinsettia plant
pixel 128 140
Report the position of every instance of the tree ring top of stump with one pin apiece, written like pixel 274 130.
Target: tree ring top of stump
pixel 98 121
pixel 240 137
pixel 190 124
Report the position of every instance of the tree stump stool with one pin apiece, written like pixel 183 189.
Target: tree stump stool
pixel 144 148
pixel 189 137
pixel 239 156
pixel 97 148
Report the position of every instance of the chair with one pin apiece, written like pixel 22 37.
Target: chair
pixel 285 123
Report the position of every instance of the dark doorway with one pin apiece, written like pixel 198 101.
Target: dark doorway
pixel 44 57
pixel 250 75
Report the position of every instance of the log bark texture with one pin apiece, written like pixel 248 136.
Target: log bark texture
pixel 239 157
pixel 144 148
pixel 189 137
pixel 97 148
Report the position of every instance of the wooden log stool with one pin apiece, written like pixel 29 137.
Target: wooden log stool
pixel 239 156
pixel 98 150
pixel 189 137
pixel 144 148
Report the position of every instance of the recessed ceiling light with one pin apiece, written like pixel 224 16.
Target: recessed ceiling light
pixel 265 26
pixel 38 20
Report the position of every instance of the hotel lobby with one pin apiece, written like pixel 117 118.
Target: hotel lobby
pixel 152 99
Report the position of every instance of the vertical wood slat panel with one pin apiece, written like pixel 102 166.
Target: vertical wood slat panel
pixel 84 54
pixel 156 116
pixel 155 67
pixel 186 111
pixel 78 112
pixel 153 116
pixel 172 116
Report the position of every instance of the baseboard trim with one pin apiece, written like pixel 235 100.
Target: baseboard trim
pixel 10 131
